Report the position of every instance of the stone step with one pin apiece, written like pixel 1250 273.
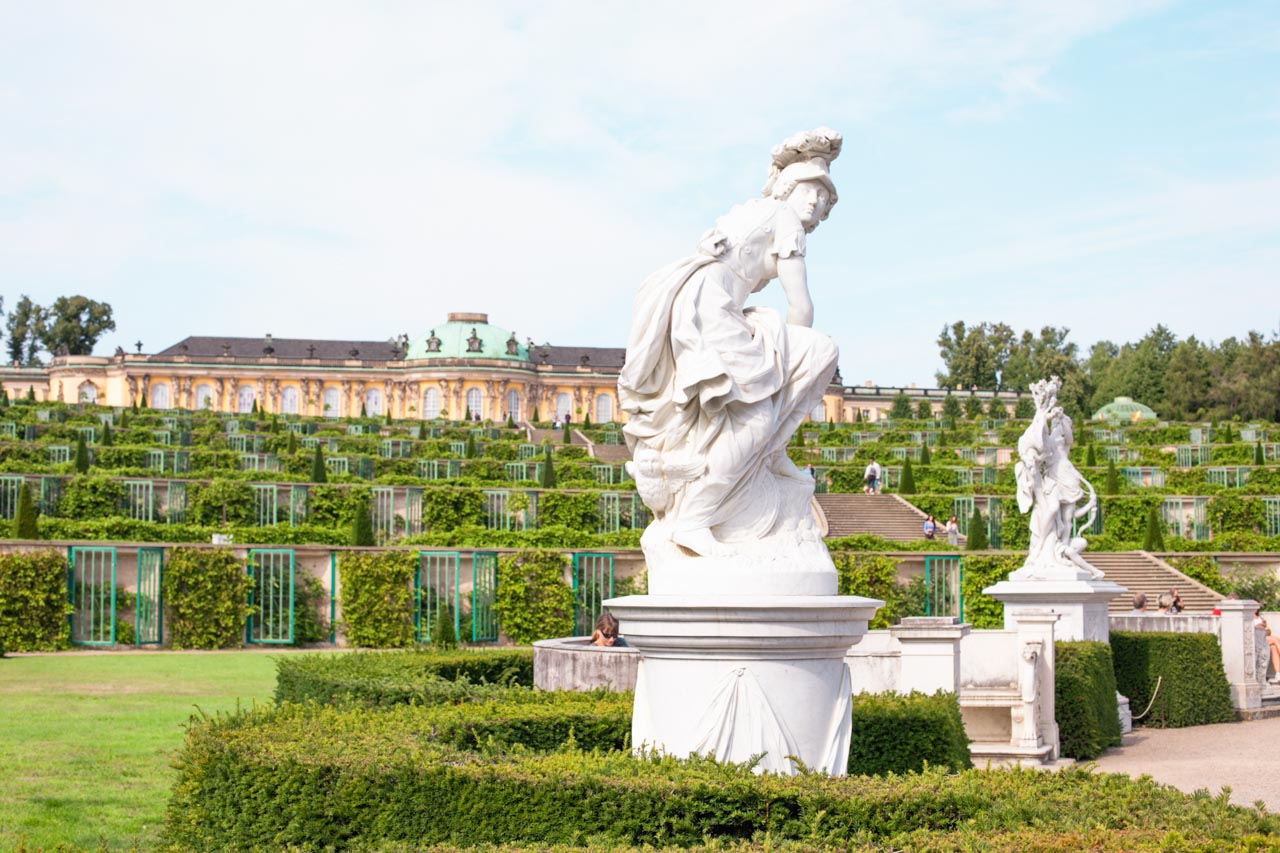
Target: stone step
pixel 1140 571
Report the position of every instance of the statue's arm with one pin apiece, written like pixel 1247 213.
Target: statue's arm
pixel 795 284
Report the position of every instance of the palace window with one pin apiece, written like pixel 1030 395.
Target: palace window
pixel 513 404
pixel 431 404
pixel 289 400
pixel 474 402
pixel 204 397
pixel 332 403
pixel 373 401
pixel 604 409
pixel 244 399
pixel 564 405
pixel 87 392
pixel 159 395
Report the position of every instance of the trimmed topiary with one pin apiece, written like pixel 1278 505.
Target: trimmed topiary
pixel 1090 458
pixel 362 523
pixel 1153 535
pixel 976 539
pixel 1112 485
pixel 908 484
pixel 319 471
pixel 1193 686
pixel 893 733
pixel 926 458
pixel 1085 699
pixel 548 477
pixel 82 455
pixel 24 519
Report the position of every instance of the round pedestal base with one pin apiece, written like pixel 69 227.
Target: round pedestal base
pixel 735 677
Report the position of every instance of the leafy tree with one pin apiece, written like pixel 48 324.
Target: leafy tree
pixel 25 326
pixel 31 393
pixel 977 538
pixel 548 480
pixel 1228 435
pixel 951 410
pixel 908 484
pixel 319 473
pixel 901 408
pixel 1153 536
pixel 1112 485
pixel 973 408
pixel 1025 409
pixel 82 455
pixel 924 410
pixel 362 522
pixel 24 519
pixel 996 410
pixel 77 323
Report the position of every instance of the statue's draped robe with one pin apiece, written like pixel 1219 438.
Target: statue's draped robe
pixel 709 381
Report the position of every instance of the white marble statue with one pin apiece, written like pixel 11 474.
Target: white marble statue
pixel 714 389
pixel 1052 489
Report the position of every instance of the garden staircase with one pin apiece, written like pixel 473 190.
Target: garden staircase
pixel 887 516
pixel 1140 571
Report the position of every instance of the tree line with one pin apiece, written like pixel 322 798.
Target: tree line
pixel 70 326
pixel 1185 379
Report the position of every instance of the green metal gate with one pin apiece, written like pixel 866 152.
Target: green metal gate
pixel 176 511
pixel 270 596
pixel 944 582
pixel 962 509
pixel 412 511
pixel 609 510
pixel 148 616
pixel 139 499
pixel 264 504
pixel 484 589
pixel 297 505
pixel 91 588
pixel 383 514
pixel 1271 509
pixel 592 584
pixel 436 583
pixel 10 484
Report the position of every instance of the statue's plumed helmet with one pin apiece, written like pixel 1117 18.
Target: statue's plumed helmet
pixel 806 156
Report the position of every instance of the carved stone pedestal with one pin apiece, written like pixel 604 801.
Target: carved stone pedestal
pixel 735 676
pixel 1082 604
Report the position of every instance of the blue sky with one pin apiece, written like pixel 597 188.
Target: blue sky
pixel 342 170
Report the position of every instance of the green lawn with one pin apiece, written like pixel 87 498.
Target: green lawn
pixel 86 740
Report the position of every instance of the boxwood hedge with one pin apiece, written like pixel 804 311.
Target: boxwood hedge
pixel 1085 699
pixel 1193 689
pixel 324 777
pixel 392 678
pixel 893 733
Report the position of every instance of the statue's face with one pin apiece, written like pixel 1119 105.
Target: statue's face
pixel 810 200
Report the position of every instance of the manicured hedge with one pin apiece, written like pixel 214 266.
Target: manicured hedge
pixel 33 602
pixel 392 678
pixel 1085 698
pixel 377 598
pixel 1193 687
pixel 322 777
pixel 893 733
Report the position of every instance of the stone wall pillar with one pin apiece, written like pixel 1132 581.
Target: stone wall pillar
pixel 930 653
pixel 1244 652
pixel 1035 632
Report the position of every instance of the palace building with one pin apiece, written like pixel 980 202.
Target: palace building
pixel 463 367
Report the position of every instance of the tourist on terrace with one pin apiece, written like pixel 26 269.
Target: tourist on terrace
pixel 872 478
pixel 1163 604
pixel 1139 604
pixel 930 527
pixel 1273 645
pixel 1176 606
pixel 953 531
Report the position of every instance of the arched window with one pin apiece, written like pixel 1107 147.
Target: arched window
pixel 87 392
pixel 244 399
pixel 563 406
pixel 604 409
pixel 513 404
pixel 373 401
pixel 332 403
pixel 289 400
pixel 159 395
pixel 474 403
pixel 204 397
pixel 431 404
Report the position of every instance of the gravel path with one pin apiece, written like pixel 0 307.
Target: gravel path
pixel 1234 755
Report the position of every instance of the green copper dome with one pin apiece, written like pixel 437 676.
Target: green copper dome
pixel 468 336
pixel 1124 409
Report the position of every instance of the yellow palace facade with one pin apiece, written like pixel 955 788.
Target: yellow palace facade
pixel 464 367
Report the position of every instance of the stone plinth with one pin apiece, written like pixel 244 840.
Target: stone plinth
pixel 1081 604
pixel 1245 653
pixel 737 676
pixel 930 649
pixel 573 663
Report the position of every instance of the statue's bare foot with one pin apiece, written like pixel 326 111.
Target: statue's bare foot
pixel 699 541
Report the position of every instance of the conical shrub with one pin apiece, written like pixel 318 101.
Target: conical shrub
pixel 319 473
pixel 108 437
pixel 82 455
pixel 362 523
pixel 1258 457
pixel 548 480
pixel 1153 536
pixel 1090 458
pixel 443 635
pixel 908 484
pixel 24 519
pixel 926 458
pixel 977 538
pixel 1112 485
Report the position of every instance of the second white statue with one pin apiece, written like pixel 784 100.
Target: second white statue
pixel 714 390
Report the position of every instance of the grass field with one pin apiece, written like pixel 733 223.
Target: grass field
pixel 86 740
